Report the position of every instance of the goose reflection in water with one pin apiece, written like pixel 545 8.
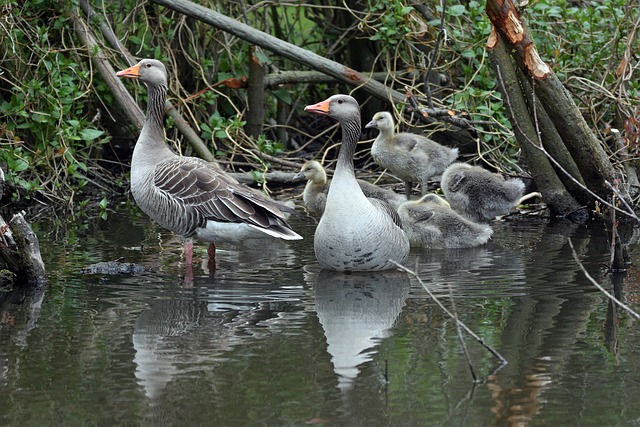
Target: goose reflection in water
pixel 178 338
pixel 356 311
pixel 164 338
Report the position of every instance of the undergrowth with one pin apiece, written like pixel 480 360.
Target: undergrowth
pixel 61 133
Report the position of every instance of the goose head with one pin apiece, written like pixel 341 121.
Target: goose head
pixel 312 171
pixel 343 108
pixel 383 121
pixel 422 209
pixel 149 71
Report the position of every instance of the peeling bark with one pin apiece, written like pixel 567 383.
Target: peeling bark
pixel 585 149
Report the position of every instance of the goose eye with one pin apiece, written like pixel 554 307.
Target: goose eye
pixel 340 101
pixel 148 65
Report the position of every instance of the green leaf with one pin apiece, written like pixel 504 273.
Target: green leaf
pixel 457 10
pixel 90 134
pixel 283 95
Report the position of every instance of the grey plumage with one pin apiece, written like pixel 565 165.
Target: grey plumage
pixel 354 234
pixel 317 187
pixel 429 222
pixel 411 157
pixel 478 194
pixel 187 195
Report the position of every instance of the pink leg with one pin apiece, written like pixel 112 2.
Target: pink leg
pixel 188 261
pixel 188 253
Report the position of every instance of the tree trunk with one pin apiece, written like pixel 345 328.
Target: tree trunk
pixel 255 96
pixel 553 191
pixel 586 150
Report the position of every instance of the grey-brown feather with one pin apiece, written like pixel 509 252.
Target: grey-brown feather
pixel 434 225
pixel 411 157
pixel 183 194
pixel 478 194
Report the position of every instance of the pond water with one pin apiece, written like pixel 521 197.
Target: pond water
pixel 271 339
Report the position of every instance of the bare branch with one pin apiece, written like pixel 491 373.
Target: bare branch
pixel 600 288
pixel 458 321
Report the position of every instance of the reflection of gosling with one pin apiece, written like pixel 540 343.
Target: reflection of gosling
pixel 315 192
pixel 479 194
pixel 431 223
pixel 410 156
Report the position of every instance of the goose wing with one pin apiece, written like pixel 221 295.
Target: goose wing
pixel 387 209
pixel 214 195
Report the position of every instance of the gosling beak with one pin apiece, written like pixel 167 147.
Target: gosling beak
pixel 371 124
pixel 299 177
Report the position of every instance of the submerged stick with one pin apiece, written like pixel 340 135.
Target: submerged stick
pixel 461 337
pixel 491 350
pixel 599 286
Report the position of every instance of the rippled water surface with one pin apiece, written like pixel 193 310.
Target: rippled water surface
pixel 271 339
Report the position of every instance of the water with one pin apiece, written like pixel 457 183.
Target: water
pixel 270 339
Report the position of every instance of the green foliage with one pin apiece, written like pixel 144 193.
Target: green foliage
pixel 269 147
pixel 56 114
pixel 392 24
pixel 48 136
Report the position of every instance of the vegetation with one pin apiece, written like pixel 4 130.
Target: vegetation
pixel 62 133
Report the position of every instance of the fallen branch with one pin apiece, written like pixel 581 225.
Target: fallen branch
pixel 21 255
pixel 284 49
pixel 298 76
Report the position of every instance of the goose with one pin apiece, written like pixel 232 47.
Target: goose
pixel 409 156
pixel 315 191
pixel 478 194
pixel 431 223
pixel 354 233
pixel 187 195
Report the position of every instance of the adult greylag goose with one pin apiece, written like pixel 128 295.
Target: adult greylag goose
pixel 315 191
pixel 411 157
pixel 188 195
pixel 354 233
pixel 478 194
pixel 431 223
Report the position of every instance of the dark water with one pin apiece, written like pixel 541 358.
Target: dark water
pixel 269 339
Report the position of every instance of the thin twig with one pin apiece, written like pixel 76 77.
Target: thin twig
pixel 600 288
pixel 459 322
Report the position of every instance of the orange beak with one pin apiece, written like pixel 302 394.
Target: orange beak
pixel 319 108
pixel 132 72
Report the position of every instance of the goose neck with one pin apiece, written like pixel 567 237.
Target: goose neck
pixel 350 135
pixel 155 108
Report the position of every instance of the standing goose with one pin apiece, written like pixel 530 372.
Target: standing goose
pixel 431 223
pixel 354 233
pixel 188 195
pixel 315 191
pixel 478 194
pixel 409 156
